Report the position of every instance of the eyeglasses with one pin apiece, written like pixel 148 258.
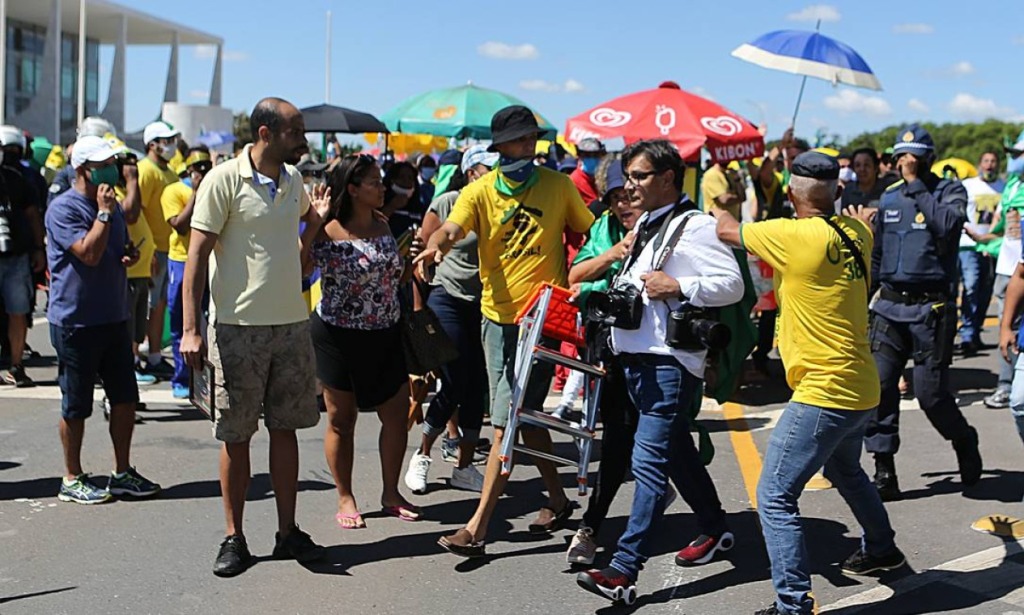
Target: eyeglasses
pixel 636 177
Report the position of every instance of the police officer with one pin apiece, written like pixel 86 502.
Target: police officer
pixel 915 262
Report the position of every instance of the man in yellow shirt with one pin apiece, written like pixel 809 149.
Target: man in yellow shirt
pixel 154 175
pixel 821 269
pixel 518 212
pixel 178 202
pixel 722 188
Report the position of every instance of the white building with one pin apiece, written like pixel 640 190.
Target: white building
pixel 39 72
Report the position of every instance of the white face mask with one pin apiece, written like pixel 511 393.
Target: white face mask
pixel 166 152
pixel 406 192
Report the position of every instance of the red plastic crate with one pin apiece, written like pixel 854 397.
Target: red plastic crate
pixel 560 322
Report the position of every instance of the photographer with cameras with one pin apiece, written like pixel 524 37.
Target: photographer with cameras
pixel 820 276
pixel 658 306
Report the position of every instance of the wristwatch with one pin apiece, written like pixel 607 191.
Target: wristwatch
pixel 104 217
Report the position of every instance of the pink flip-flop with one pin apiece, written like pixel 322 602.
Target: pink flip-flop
pixel 356 518
pixel 405 512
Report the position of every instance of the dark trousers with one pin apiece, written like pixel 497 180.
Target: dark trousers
pixel 765 335
pixel 893 344
pixel 464 380
pixel 618 427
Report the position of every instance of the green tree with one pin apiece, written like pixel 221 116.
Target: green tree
pixel 967 141
pixel 243 135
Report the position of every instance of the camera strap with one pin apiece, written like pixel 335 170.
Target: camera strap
pixel 684 205
pixel 852 247
pixel 673 239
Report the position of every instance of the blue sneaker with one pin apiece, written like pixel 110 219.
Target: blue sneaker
pixel 82 491
pixel 144 379
pixel 179 391
pixel 132 483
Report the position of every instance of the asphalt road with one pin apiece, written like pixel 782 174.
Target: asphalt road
pixel 155 556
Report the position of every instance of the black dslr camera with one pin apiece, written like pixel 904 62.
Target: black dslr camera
pixel 693 328
pixel 620 307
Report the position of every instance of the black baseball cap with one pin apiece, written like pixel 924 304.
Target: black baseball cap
pixel 815 165
pixel 511 123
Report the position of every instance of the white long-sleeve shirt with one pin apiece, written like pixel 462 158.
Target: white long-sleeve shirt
pixel 708 276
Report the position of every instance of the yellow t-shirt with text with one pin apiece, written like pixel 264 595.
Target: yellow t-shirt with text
pixel 152 181
pixel 520 237
pixel 173 202
pixel 823 309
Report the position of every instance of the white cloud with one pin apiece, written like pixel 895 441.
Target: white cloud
pixel 571 86
pixel 917 106
pixel 970 107
pixel 199 94
pixel 504 51
pixel 814 12
pixel 851 101
pixel 913 28
pixel 208 52
pixel 702 92
pixel 962 69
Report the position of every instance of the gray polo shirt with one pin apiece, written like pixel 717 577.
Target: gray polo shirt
pixel 459 272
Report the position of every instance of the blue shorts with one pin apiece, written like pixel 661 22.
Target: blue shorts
pixel 83 353
pixel 16 284
pixel 158 283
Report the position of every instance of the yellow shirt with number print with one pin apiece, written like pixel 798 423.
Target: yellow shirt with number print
pixel 823 308
pixel 520 237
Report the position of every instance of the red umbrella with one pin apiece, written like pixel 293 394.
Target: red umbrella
pixel 668 112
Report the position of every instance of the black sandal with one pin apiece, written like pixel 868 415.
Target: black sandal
pixel 470 549
pixel 556 522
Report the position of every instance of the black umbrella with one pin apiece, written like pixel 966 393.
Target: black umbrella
pixel 329 118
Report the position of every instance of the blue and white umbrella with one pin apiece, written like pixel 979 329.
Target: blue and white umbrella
pixel 810 54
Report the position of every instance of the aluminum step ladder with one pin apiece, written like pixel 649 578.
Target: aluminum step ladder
pixel 549 314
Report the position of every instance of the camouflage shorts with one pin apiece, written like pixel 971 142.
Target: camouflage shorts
pixel 262 369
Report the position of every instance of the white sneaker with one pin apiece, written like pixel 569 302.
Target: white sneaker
pixel 416 476
pixel 582 549
pixel 467 479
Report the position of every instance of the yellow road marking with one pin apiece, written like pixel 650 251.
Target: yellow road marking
pixel 746 451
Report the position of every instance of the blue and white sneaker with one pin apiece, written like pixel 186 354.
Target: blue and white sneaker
pixel 132 483
pixel 82 491
pixel 179 391
pixel 144 379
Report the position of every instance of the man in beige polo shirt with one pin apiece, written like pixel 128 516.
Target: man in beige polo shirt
pixel 245 222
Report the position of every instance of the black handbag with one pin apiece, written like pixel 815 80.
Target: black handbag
pixel 427 347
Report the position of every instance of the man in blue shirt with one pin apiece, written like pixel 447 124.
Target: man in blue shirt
pixel 87 251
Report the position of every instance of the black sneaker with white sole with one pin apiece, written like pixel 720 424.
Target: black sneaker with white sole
pixel 861 563
pixel 609 583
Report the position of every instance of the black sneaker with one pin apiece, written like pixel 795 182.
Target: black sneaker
pixel 297 545
pixel 860 563
pixel 608 583
pixel 968 457
pixel 162 369
pixel 772 610
pixel 17 376
pixel 886 482
pixel 233 558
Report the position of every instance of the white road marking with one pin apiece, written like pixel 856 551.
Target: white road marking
pixel 948 573
pixel 147 395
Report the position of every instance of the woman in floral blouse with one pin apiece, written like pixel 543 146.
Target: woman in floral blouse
pixel 356 336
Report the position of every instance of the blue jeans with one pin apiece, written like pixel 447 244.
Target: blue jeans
pixel 806 438
pixel 976 274
pixel 663 392
pixel 1017 395
pixel 175 277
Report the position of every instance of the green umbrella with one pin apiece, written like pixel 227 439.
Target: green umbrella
pixel 462 112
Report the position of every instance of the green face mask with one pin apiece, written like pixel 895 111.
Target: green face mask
pixel 104 175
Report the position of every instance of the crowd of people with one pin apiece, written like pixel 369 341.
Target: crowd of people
pixel 866 254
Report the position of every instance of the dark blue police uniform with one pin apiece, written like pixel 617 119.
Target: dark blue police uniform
pixel 914 261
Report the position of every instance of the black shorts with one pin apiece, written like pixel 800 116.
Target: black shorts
pixel 369 364
pixel 86 352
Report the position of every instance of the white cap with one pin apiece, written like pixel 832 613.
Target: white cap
pixel 95 126
pixel 90 148
pixel 478 154
pixel 158 130
pixel 12 135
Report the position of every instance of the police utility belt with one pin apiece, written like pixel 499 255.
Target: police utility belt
pixel 907 298
pixel 688 327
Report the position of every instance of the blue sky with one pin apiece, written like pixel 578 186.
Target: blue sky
pixel 565 57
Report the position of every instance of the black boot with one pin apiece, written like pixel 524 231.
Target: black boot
pixel 885 478
pixel 968 457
